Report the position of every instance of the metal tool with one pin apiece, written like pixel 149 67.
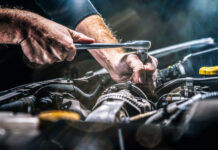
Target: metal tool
pixel 181 47
pixel 132 45
pixel 141 47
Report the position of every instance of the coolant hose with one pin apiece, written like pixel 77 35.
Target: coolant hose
pixel 75 91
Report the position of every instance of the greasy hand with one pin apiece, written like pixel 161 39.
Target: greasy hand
pixel 131 68
pixel 48 42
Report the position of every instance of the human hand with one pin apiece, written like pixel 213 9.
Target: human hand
pixel 129 67
pixel 46 41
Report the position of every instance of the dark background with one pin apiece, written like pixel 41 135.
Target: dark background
pixel 164 22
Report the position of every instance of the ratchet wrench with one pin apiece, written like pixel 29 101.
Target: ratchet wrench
pixel 141 47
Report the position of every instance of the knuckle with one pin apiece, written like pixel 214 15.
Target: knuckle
pixel 139 70
pixel 74 52
pixel 60 55
pixel 71 48
pixel 133 56
pixel 31 59
pixel 39 62
pixel 156 61
pixel 75 35
pixel 50 61
pixel 71 57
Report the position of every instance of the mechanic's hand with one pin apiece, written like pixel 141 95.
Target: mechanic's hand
pixel 131 68
pixel 48 42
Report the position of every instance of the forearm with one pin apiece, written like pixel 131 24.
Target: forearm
pixel 95 27
pixel 9 29
pixel 121 66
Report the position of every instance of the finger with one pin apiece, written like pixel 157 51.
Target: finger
pixel 134 62
pixel 48 58
pixel 64 53
pixel 151 65
pixel 58 53
pixel 155 60
pixel 80 38
pixel 53 51
pixel 28 49
pixel 32 50
pixel 139 74
pixel 71 54
pixel 41 55
pixel 150 83
pixel 139 77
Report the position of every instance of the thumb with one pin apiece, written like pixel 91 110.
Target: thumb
pixel 80 38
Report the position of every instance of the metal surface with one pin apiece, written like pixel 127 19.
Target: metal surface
pixel 143 44
pixel 121 142
pixel 182 46
pixel 144 115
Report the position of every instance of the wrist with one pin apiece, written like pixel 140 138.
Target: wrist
pixel 24 22
pixel 11 26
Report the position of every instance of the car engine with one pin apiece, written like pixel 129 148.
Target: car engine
pixel 93 112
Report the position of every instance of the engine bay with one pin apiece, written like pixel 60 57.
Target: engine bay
pixel 94 112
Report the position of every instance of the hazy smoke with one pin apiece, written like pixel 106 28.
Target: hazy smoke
pixel 164 22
